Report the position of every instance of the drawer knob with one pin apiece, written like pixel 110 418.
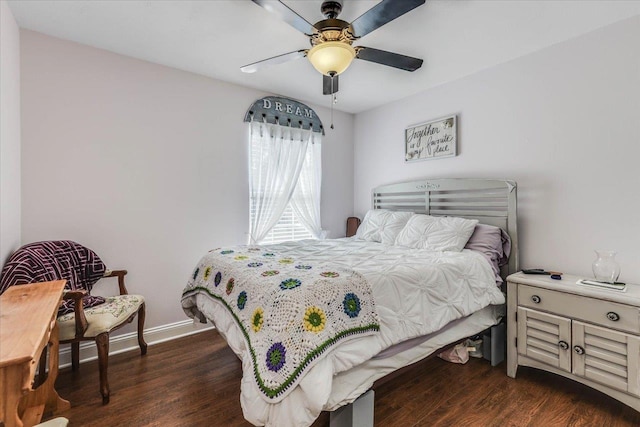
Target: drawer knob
pixel 578 349
pixel 563 345
pixel 614 317
pixel 536 299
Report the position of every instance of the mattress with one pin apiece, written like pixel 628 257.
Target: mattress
pixel 417 292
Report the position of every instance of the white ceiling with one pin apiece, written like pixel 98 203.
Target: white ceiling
pixel 215 38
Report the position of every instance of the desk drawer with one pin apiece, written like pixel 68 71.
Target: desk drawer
pixel 609 314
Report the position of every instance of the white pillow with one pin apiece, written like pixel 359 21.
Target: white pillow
pixel 381 225
pixel 442 233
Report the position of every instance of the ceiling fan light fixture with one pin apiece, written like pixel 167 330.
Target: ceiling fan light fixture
pixel 331 57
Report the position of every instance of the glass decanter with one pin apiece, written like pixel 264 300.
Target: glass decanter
pixel 605 267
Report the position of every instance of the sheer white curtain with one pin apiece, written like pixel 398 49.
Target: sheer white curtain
pixel 277 155
pixel 306 196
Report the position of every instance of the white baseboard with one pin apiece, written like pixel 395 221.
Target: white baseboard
pixel 129 341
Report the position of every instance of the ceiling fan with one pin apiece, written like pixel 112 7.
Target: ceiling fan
pixel 332 38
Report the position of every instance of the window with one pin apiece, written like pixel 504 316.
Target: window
pixel 284 181
pixel 287 228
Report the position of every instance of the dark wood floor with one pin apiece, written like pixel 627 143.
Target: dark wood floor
pixel 194 381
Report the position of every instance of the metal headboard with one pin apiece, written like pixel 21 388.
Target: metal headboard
pixel 490 201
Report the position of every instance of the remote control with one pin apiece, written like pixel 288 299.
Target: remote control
pixel 535 271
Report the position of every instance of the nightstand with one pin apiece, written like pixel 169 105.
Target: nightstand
pixel 587 334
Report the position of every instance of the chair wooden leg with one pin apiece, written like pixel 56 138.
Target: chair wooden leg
pixel 75 356
pixel 141 342
pixel 102 342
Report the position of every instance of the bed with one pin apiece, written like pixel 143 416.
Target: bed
pixel 372 306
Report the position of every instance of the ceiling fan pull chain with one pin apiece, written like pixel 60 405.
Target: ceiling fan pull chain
pixel 333 97
pixel 331 115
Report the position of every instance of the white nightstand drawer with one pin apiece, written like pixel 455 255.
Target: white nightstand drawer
pixel 609 314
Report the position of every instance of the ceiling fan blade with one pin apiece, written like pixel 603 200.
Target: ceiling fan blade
pixel 326 84
pixel 252 68
pixel 403 62
pixel 286 14
pixel 382 13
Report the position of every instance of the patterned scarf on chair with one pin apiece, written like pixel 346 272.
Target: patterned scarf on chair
pixel 55 260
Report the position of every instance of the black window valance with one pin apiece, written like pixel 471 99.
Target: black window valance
pixel 284 112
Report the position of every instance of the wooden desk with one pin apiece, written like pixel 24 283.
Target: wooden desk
pixel 27 325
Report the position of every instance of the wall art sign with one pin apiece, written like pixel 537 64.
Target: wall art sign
pixel 431 140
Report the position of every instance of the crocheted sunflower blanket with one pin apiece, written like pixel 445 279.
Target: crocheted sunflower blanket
pixel 290 312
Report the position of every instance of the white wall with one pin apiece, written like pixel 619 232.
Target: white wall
pixel 563 122
pixel 9 133
pixel 145 164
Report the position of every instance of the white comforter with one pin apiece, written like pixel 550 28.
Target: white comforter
pixel 416 292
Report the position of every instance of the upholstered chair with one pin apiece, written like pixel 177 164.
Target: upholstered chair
pixel 81 316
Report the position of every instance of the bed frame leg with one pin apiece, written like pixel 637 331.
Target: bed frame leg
pixel 494 344
pixel 356 414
